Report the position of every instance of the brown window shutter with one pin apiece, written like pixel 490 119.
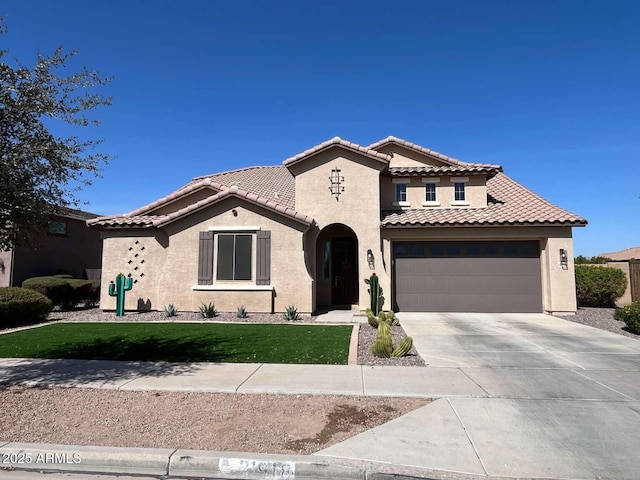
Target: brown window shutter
pixel 263 257
pixel 205 259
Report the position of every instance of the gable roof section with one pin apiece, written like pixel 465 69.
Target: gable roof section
pixel 134 220
pixel 337 142
pixel 431 153
pixel 509 203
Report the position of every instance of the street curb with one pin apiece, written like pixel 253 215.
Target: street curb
pixel 170 463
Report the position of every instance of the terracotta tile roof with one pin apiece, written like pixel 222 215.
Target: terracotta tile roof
pixel 430 171
pixel 369 152
pixel 626 254
pixel 509 203
pixel 432 153
pixel 133 220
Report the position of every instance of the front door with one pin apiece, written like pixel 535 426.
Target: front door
pixel 344 266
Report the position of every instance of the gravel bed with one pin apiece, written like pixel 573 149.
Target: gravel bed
pixel 298 424
pixel 367 336
pixel 601 318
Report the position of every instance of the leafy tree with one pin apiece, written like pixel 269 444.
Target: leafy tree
pixel 40 172
pixel 582 260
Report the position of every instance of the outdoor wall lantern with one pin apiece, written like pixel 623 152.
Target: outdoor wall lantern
pixel 563 258
pixel 370 259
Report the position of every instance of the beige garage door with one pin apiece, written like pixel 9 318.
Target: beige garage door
pixel 467 276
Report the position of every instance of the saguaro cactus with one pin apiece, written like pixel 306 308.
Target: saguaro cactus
pixel 117 289
pixel 375 293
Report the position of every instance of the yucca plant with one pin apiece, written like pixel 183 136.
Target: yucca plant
pixel 291 314
pixel 241 312
pixel 208 311
pixel 170 310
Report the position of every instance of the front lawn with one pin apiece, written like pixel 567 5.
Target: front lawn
pixel 182 342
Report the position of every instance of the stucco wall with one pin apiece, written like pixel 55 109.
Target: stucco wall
pixel 475 190
pixel 358 206
pixel 171 263
pixel 558 284
pixel 625 299
pixel 404 157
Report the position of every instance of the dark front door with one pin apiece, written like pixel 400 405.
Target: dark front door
pixel 344 265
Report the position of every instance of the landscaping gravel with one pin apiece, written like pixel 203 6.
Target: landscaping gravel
pixel 299 424
pixel 601 318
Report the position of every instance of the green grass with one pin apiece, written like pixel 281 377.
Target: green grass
pixel 182 342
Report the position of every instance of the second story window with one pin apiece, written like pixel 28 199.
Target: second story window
pixel 401 192
pixel 429 192
pixel 459 193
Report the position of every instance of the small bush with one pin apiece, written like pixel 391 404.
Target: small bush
pixel 291 314
pixel 208 311
pixel 66 292
pixel 170 310
pixel 241 312
pixel 599 286
pixel 631 316
pixel 56 289
pixel 19 306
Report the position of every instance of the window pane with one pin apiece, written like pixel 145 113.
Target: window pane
pixel 430 192
pixel 459 191
pixel 401 192
pixel 243 257
pixel 225 257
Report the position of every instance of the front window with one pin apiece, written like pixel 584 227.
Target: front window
pixel 459 191
pixel 430 192
pixel 401 192
pixel 234 257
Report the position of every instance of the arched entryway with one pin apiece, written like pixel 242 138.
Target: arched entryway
pixel 337 267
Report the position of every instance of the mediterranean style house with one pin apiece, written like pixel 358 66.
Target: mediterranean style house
pixel 442 235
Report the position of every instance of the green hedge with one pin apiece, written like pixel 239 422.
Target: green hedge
pixel 631 316
pixel 599 286
pixel 66 292
pixel 19 306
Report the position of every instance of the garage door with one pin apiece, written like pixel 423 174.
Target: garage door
pixel 467 276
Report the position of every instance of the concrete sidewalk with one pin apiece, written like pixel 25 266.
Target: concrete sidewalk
pixel 517 396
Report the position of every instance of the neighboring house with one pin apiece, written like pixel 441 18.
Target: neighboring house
pixel 67 247
pixel 441 234
pixel 623 255
pixel 621 261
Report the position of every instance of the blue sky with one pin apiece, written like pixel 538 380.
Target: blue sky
pixel 549 90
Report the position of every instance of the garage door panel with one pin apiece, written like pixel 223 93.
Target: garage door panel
pixel 468 284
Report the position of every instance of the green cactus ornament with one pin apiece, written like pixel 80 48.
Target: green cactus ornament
pixel 117 289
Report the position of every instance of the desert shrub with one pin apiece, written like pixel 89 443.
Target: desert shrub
pixel 208 310
pixel 291 314
pixel 65 292
pixel 631 316
pixel 599 286
pixel 20 306
pixel 56 289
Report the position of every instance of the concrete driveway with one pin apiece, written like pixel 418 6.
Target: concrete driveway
pixel 555 399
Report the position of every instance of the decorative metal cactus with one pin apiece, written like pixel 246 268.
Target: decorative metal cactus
pixel 117 289
pixel 375 293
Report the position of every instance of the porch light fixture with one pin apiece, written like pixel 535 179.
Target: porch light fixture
pixel 563 259
pixel 370 259
pixel 336 180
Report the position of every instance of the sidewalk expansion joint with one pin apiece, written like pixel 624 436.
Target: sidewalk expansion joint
pixel 364 393
pixel 471 378
pixel 603 385
pixel 168 470
pixel 247 379
pixel 466 432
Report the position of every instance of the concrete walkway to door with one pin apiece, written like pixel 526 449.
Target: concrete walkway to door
pixel 560 400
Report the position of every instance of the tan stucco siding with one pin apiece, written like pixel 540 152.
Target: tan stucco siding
pixel 5 267
pixel 404 157
pixel 558 283
pixel 357 207
pixel 171 262
pixel 475 190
